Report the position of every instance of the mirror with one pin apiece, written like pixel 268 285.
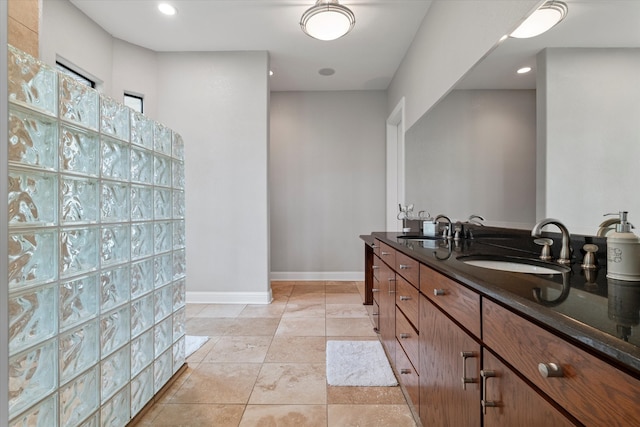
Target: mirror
pixel 562 141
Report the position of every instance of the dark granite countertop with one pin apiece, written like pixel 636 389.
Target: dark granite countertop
pixel 598 314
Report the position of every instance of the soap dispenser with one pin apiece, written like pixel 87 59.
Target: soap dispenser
pixel 623 251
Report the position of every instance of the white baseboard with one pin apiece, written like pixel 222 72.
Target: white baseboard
pixel 228 297
pixel 299 276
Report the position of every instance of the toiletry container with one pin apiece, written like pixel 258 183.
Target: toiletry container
pixel 623 252
pixel 430 227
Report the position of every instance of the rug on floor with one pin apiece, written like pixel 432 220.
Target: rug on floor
pixel 358 363
pixel 192 343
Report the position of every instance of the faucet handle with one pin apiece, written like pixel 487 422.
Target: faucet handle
pixel 546 248
pixel 589 261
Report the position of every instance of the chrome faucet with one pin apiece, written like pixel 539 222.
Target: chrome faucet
pixel 565 251
pixel 475 219
pixel 449 232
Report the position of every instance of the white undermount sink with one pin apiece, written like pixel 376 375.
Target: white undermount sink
pixel 513 264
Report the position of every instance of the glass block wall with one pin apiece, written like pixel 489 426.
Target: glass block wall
pixel 96 277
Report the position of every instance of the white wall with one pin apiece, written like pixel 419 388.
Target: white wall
pixel 135 69
pixel 454 36
pixel 327 181
pixel 218 102
pixel 590 147
pixel 474 153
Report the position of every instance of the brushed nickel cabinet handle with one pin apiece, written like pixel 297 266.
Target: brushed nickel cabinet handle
pixel 383 253
pixel 486 374
pixel 375 267
pixel 375 290
pixel 405 371
pixel 404 336
pixel 404 298
pixel 466 380
pixel 404 267
pixel 549 370
pixel 438 292
pixel 374 246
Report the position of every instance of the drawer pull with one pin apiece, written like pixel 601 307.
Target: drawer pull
pixel 549 370
pixel 392 279
pixel 438 292
pixel 375 267
pixel 375 314
pixel 466 380
pixel 486 374
pixel 404 336
pixel 404 267
pixel 405 371
pixel 404 298
pixel 383 253
pixel 375 290
pixel 374 246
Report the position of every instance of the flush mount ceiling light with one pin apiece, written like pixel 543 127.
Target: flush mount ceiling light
pixel 327 20
pixel 167 9
pixel 543 19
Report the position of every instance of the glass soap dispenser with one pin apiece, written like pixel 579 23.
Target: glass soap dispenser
pixel 623 251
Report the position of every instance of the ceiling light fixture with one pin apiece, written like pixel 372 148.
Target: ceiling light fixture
pixel 523 70
pixel 167 9
pixel 327 20
pixel 543 19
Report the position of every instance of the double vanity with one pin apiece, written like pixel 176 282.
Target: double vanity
pixel 482 332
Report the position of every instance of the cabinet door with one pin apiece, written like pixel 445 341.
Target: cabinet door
pixel 387 310
pixel 447 356
pixel 511 402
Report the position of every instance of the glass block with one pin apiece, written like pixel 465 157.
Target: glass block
pixel 162 139
pixel 163 232
pixel 114 118
pixel 93 421
pixel 114 287
pixel 179 358
pixel 32 317
pixel 162 267
pixel 163 336
pixel 162 171
pixel 79 150
pixel 179 234
pixel 78 301
pixel 78 103
pixel 141 390
pixel 31 198
pixel 179 264
pixel 116 411
pixel 141 352
pixel 178 147
pixel 31 82
pixel 114 204
pixel 114 330
pixel 142 277
pixel 32 258
pixel 141 203
pixel 141 240
pixel 179 294
pixel 78 350
pixel 78 250
pixel 114 244
pixel 178 174
pixel 141 165
pixel 163 307
pixel 40 415
pixel 142 315
pixel 79 398
pixel 79 200
pixel 115 159
pixel 114 372
pixel 178 204
pixel 162 370
pixel 162 203
pixel 179 321
pixel 141 130
pixel 32 139
pixel 32 376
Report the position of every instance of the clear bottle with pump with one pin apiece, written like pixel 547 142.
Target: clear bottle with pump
pixel 623 251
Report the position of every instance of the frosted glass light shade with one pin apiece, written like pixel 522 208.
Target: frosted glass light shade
pixel 546 17
pixel 327 20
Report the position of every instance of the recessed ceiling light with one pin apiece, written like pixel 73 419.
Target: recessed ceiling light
pixel 271 72
pixel 541 20
pixel 523 70
pixel 326 71
pixel 167 9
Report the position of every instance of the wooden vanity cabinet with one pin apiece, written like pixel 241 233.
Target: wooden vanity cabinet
pixel 385 298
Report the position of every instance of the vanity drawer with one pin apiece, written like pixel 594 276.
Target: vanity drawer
pixel 407 300
pixel 590 389
pixel 408 376
pixel 375 290
pixel 459 302
pixel 387 254
pixel 376 247
pixel 407 337
pixel 409 268
pixel 377 265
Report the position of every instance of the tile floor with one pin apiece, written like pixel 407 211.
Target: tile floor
pixel 265 365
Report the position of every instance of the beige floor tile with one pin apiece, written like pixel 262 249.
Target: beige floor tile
pixel 194 415
pixel 341 287
pixel 346 310
pixel 222 383
pixel 287 349
pixel 308 287
pixel 239 349
pixel 279 299
pixel 263 310
pixel 192 310
pixel 253 326
pixel 365 395
pixel 361 327
pixel 370 415
pixel 285 416
pixel 302 326
pixel 304 310
pixel 307 298
pixel 343 298
pixel 197 356
pixel 221 310
pixel 208 326
pixel 290 383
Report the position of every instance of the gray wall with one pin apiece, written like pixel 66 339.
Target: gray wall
pixel 474 153
pixel 327 181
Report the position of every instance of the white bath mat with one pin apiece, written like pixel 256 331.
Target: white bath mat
pixel 358 363
pixel 192 343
